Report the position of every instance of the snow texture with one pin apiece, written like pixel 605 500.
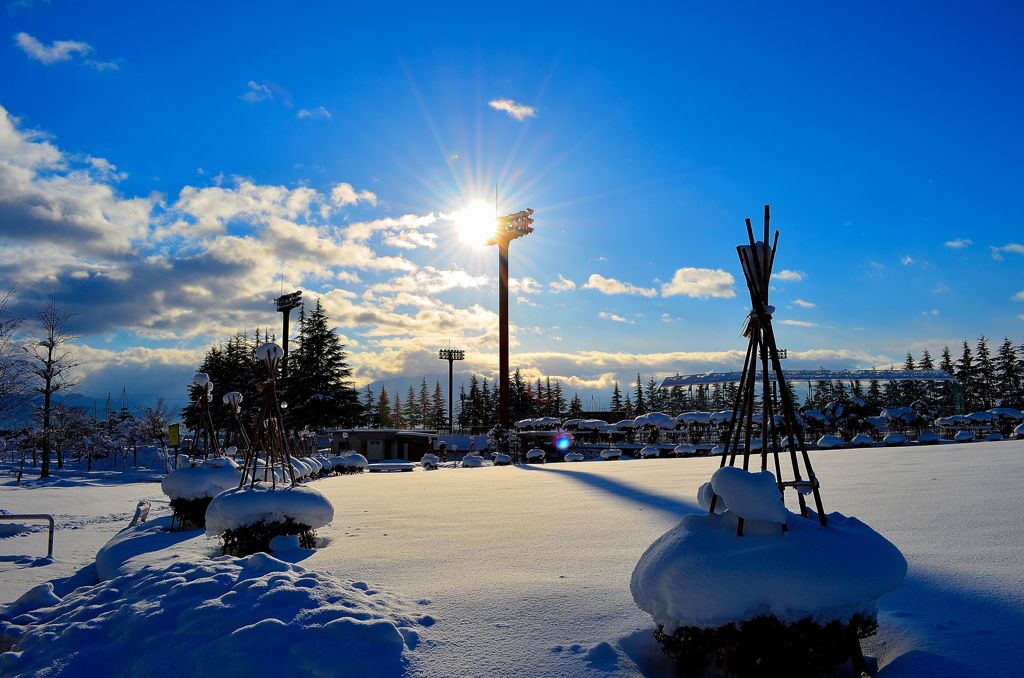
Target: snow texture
pixel 701 574
pixel 752 496
pixel 205 480
pixel 249 505
pixel 254 616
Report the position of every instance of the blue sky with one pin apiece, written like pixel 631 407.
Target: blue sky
pixel 165 167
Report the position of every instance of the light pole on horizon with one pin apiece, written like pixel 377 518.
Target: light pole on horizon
pixel 451 355
pixel 508 228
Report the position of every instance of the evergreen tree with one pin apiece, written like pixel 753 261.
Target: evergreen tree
pixel 965 374
pixel 384 410
pixel 639 405
pixel 411 410
pixel 370 416
pixel 575 406
pixel 319 386
pixel 986 375
pixel 929 391
pixel 874 396
pixel 700 400
pixel 655 402
pixel 947 399
pixel 1008 375
pixel 627 408
pixel 519 397
pixel 489 404
pixel 557 400
pixel 909 390
pixel 438 411
pixel 397 420
pixel 474 404
pixel 424 416
pixel 465 407
pixel 616 403
pixel 892 395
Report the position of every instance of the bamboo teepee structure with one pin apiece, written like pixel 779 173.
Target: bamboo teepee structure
pixel 268 434
pixel 762 366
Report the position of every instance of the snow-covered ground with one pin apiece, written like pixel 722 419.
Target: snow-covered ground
pixel 526 569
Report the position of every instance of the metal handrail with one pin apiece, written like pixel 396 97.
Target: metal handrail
pixel 34 516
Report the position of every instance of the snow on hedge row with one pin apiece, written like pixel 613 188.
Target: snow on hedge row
pixel 700 573
pixel 229 616
pixel 249 505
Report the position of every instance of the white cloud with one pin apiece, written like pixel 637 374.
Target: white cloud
pixel 1013 247
pixel 516 110
pixel 666 318
pixel 563 284
pixel 257 92
pixel 933 311
pixel 700 283
pixel 613 317
pixel 802 303
pixel 1019 296
pixel 598 282
pixel 318 113
pixel 345 194
pixel 907 260
pixel 59 50
pixel 789 276
pixel 523 286
pixel 799 323
pixel 959 243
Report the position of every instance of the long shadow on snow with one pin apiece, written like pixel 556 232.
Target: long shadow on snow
pixel 633 493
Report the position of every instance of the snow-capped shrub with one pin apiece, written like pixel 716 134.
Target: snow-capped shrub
pixel 861 440
pixel 683 450
pixel 611 454
pixel 928 438
pixel 993 437
pixel 502 460
pixel 536 456
pixel 963 436
pixel 352 463
pixel 829 442
pixel 894 439
pixel 472 461
pixel 717 450
pixel 190 489
pixel 650 452
pixel 779 603
pixel 430 460
pixel 573 456
pixel 1018 431
pixel 247 518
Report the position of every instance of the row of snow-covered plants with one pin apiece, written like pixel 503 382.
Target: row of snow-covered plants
pixel 835 425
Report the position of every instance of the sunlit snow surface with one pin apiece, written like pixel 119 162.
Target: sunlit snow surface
pixel 526 569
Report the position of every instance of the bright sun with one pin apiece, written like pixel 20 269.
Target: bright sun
pixel 475 222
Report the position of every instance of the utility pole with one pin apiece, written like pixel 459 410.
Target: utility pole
pixel 451 355
pixel 285 304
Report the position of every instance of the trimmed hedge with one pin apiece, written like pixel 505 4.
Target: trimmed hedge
pixel 190 512
pixel 764 646
pixel 255 538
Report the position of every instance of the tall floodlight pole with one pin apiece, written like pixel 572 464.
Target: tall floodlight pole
pixel 451 355
pixel 508 229
pixel 285 304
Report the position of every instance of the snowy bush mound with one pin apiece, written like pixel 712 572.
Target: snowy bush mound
pixel 700 574
pixel 650 452
pixel 536 454
pixel 963 436
pixel 502 460
pixel 928 438
pixel 683 450
pixel 237 508
pixel 894 439
pixel 829 442
pixel 611 454
pixel 254 616
pixel 430 460
pixel 472 461
pixel 573 456
pixel 861 440
pixel 206 480
pixel 1018 431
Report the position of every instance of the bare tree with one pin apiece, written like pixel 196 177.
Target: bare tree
pixel 51 362
pixel 153 422
pixel 14 396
